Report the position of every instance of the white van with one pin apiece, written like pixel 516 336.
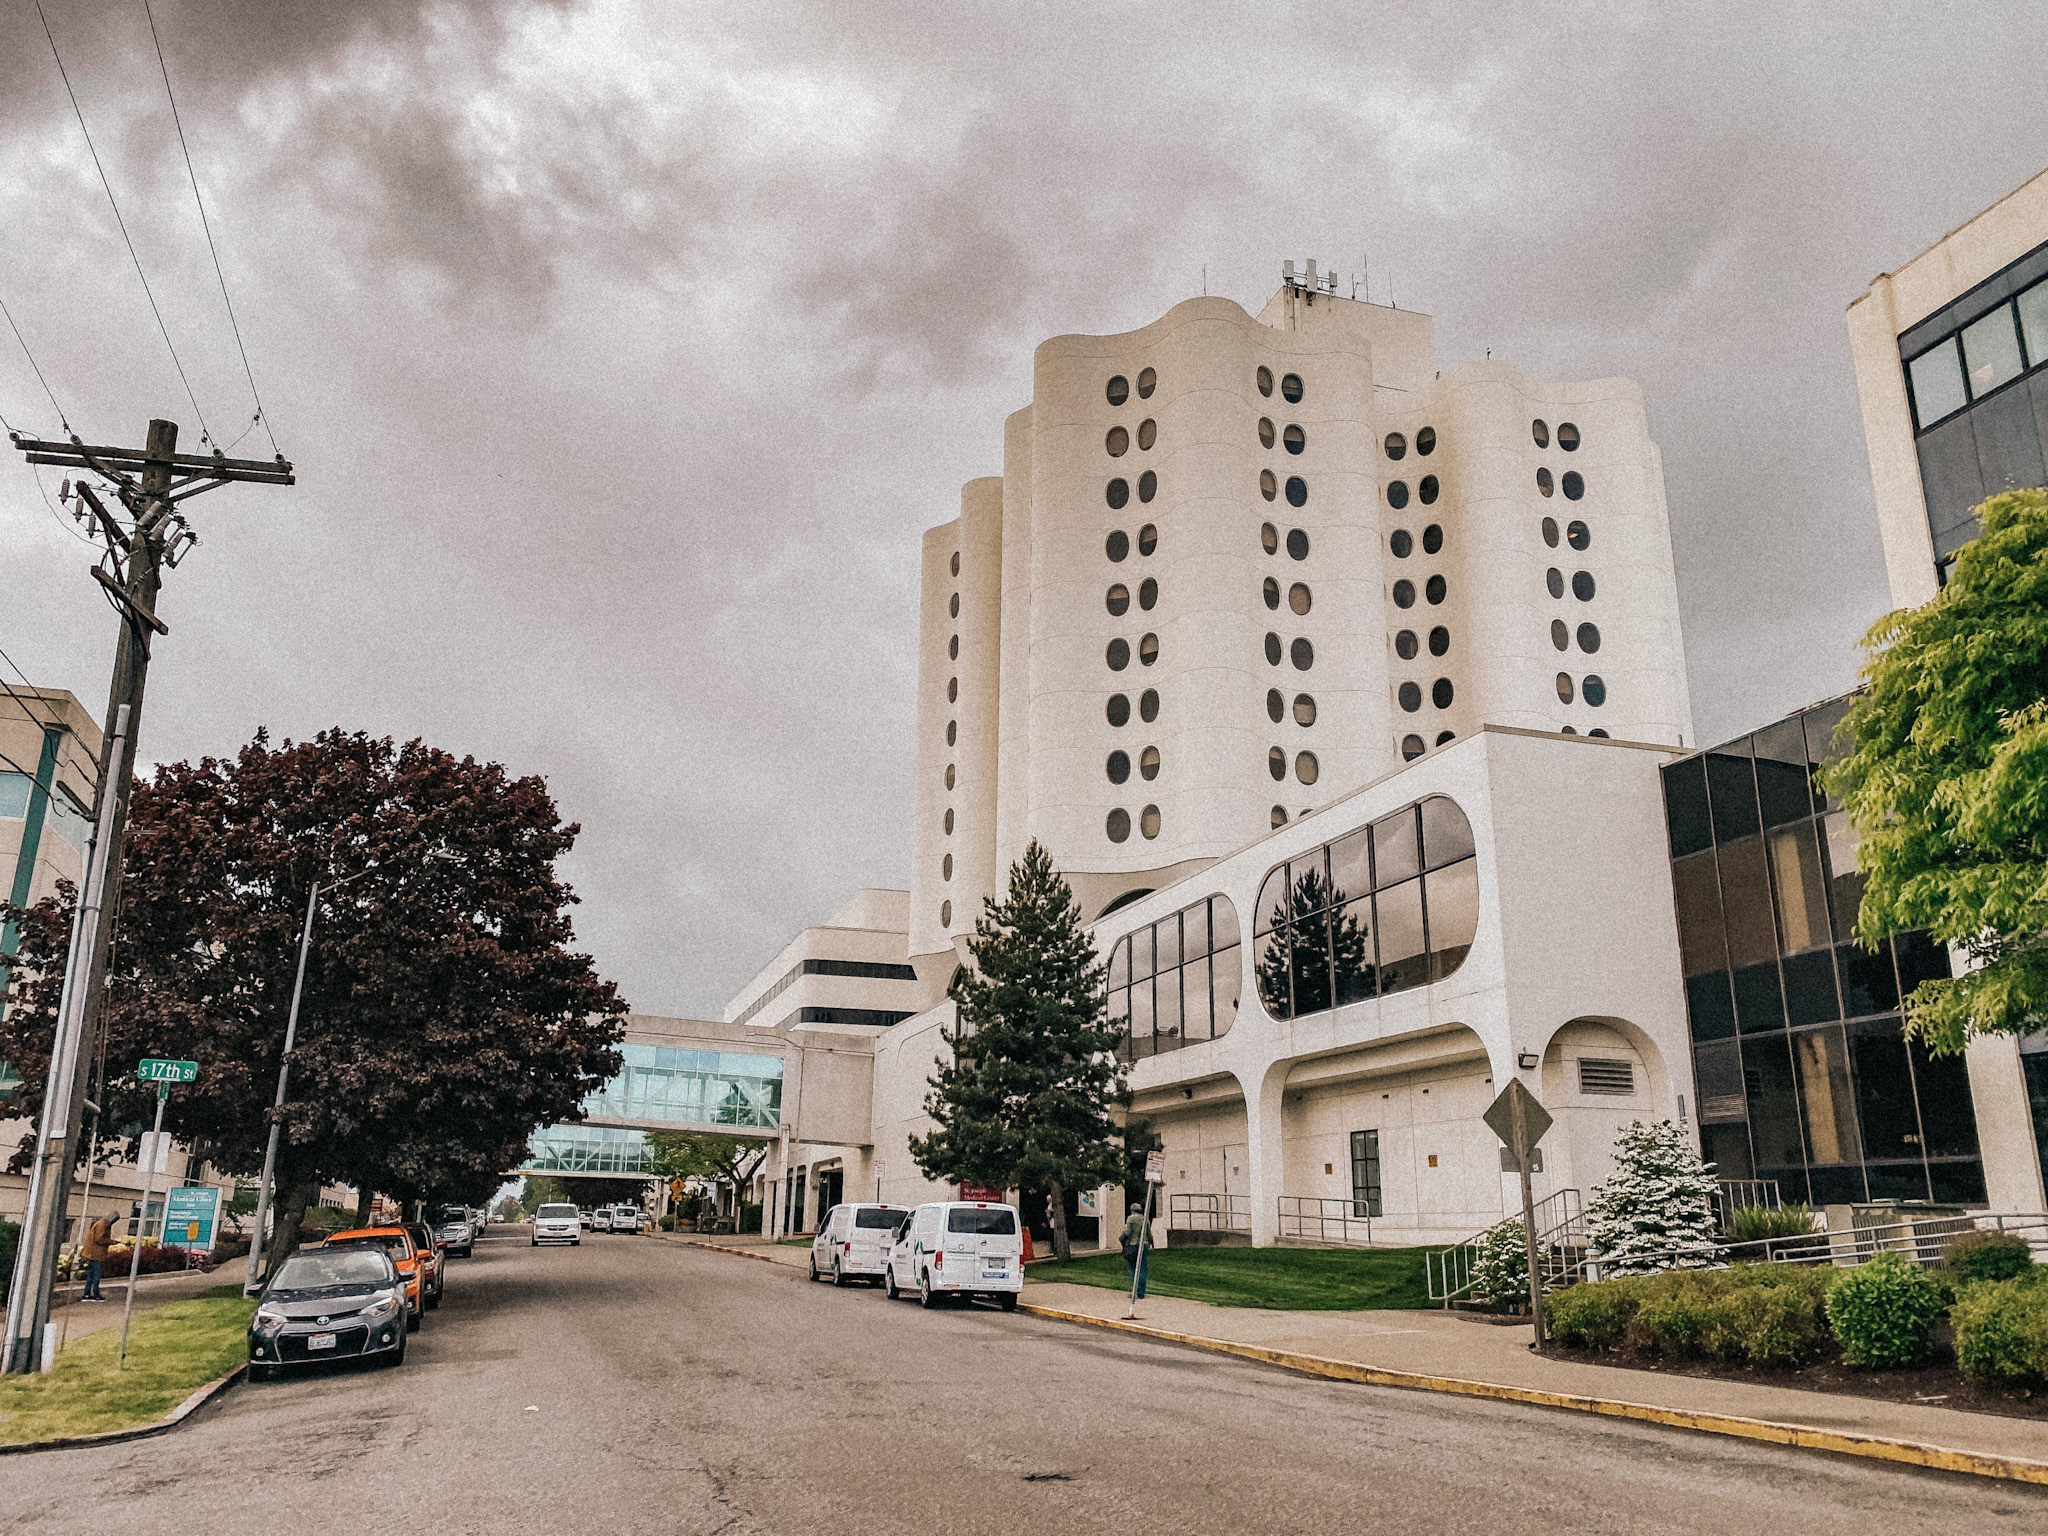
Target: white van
pixel 625 1218
pixel 601 1219
pixel 964 1248
pixel 556 1224
pixel 853 1242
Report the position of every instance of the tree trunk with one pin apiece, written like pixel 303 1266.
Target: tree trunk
pixel 1056 1206
pixel 364 1200
pixel 286 1214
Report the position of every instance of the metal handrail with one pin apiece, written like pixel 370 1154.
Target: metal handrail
pixel 1732 1195
pixel 1208 1213
pixel 1925 1241
pixel 1560 1248
pixel 1326 1221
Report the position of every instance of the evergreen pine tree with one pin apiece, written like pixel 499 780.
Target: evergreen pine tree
pixel 1660 1198
pixel 1025 1101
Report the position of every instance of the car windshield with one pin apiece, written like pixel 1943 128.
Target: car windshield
pixel 997 1221
pixel 344 1268
pixel 453 1213
pixel 556 1213
pixel 878 1218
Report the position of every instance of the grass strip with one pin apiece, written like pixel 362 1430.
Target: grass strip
pixel 173 1350
pixel 1278 1279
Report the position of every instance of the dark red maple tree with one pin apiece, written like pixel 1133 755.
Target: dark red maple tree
pixel 445 1015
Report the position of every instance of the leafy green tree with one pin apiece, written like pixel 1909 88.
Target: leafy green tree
pixel 1026 1100
pixel 1947 780
pixel 727 1161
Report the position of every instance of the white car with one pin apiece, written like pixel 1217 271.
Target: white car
pixel 601 1219
pixel 626 1218
pixel 556 1224
pixel 964 1248
pixel 853 1242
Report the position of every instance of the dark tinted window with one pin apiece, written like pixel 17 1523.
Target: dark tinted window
pixel 1119 492
pixel 1397 494
pixel 1732 793
pixel 1402 543
pixel 1119 709
pixel 994 1221
pixel 1404 645
pixel 1297 491
pixel 1118 390
pixel 1685 806
pixel 1297 544
pixel 1290 388
pixel 1118 545
pixel 879 1218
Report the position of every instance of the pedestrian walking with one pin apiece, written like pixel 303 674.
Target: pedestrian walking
pixel 99 1242
pixel 1136 1247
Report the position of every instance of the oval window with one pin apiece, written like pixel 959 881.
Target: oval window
pixel 1148 434
pixel 1279 816
pixel 1118 654
pixel 1148 705
pixel 1589 638
pixel 1273 649
pixel 1596 731
pixel 1582 586
pixel 945 914
pixel 1550 531
pixel 953 649
pixel 1432 539
pixel 1148 539
pixel 1118 442
pixel 1268 486
pixel 1297 544
pixel 1265 431
pixel 1425 441
pixel 1411 748
pixel 1564 687
pixel 1148 822
pixel 1397 494
pixel 1302 654
pixel 949 775
pixel 1294 438
pixel 1402 543
pixel 1305 767
pixel 1440 693
pixel 952 690
pixel 1117 545
pixel 1444 736
pixel 1540 430
pixel 1119 493
pixel 1593 691
pixel 1298 599
pixel 1119 600
pixel 1118 826
pixel 1297 491
pixel 953 606
pixel 1435 590
pixel 1290 389
pixel 946 867
pixel 1269 537
pixel 1439 641
pixel 1578 535
pixel 1119 766
pixel 1272 591
pixel 1148 380
pixel 1148 650
pixel 952 732
pixel 1554 580
pixel 956 562
pixel 1304 709
pixel 1405 645
pixel 1276 705
pixel 1119 390
pixel 1397 446
pixel 1567 437
pixel 1410 697
pixel 1148 763
pixel 1276 762
pixel 1428 490
pixel 1148 486
pixel 1119 710
pixel 1265 379
pixel 1404 593
pixel 1573 485
pixel 949 821
pixel 1544 482
pixel 1560 634
pixel 1148 594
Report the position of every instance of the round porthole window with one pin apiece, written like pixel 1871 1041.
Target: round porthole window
pixel 1273 649
pixel 1118 442
pixel 1397 446
pixel 1265 431
pixel 1554 580
pixel 1118 826
pixel 1404 593
pixel 1425 441
pixel 1148 434
pixel 1119 390
pixel 1269 487
pixel 1148 822
pixel 1290 389
pixel 1298 599
pixel 1402 543
pixel 1573 485
pixel 952 732
pixel 953 606
pixel 1117 545
pixel 1589 638
pixel 1148 486
pixel 1119 766
pixel 952 690
pixel 1302 654
pixel 1279 816
pixel 1118 493
pixel 1269 538
pixel 1411 748
pixel 1428 490
pixel 1434 590
pixel 1594 691
pixel 1410 695
pixel 1119 600
pixel 949 821
pixel 1567 437
pixel 1148 380
pixel 945 914
pixel 946 867
pixel 1294 438
pixel 1564 687
pixel 1148 705
pixel 1550 531
pixel 1118 654
pixel 1578 535
pixel 1148 539
pixel 1582 586
pixel 956 562
pixel 1264 377
pixel 1540 430
pixel 1276 705
pixel 1441 693
pixel 1276 762
pixel 1119 710
pixel 1544 483
pixel 1305 767
pixel 1405 646
pixel 1148 764
pixel 949 775
pixel 1148 650
pixel 1297 491
pixel 1432 539
pixel 1272 593
pixel 1439 641
pixel 1397 494
pixel 1560 634
pixel 1304 709
pixel 1148 594
pixel 953 649
pixel 1297 544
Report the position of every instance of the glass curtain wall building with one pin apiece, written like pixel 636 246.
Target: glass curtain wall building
pixel 673 1086
pixel 1804 1076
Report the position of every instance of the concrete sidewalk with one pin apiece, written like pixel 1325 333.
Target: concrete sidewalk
pixel 77 1319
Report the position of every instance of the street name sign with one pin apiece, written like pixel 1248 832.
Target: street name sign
pixel 154 1070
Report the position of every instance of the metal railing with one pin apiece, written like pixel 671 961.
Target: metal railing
pixel 1324 1221
pixel 1208 1213
pixel 1560 1249
pixel 1732 1195
pixel 1924 1240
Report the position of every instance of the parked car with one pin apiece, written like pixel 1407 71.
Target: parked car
pixel 557 1223
pixel 626 1218
pixel 455 1227
pixel 398 1246
pixel 958 1248
pixel 601 1219
pixel 433 1260
pixel 853 1242
pixel 329 1303
pixel 583 1219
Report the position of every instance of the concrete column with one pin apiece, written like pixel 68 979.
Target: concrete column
pixel 2005 1125
pixel 1265 1155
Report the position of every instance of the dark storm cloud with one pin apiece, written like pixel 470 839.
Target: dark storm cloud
pixel 626 351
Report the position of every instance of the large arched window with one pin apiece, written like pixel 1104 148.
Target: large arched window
pixel 1390 907
pixel 1175 982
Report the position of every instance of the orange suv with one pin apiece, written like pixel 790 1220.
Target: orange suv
pixel 405 1258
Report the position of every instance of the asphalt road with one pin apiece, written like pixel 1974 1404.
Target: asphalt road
pixel 635 1385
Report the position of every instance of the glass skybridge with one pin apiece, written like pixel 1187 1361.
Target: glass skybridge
pixel 661 1088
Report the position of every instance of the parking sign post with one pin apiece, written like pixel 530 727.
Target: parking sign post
pixel 1155 1175
pixel 163 1074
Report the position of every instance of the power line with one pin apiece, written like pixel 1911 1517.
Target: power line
pixel 88 770
pixel 206 224
pixel 79 113
pixel 33 364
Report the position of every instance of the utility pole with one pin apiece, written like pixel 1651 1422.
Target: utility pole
pixel 150 483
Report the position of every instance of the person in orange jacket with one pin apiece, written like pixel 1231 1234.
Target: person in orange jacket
pixel 99 1242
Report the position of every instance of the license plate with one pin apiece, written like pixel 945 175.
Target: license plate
pixel 995 1274
pixel 321 1341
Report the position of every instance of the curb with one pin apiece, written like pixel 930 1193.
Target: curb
pixel 1803 1436
pixel 738 1253
pixel 170 1421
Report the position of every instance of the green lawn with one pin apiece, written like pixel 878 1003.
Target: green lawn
pixel 174 1349
pixel 1285 1279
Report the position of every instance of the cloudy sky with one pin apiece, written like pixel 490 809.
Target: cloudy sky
pixel 624 351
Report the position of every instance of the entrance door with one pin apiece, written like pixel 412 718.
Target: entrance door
pixel 831 1189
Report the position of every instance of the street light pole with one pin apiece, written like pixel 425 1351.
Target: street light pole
pixel 284 1072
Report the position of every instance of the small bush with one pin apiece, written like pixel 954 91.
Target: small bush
pixel 750 1219
pixel 1592 1316
pixel 1765 1314
pixel 2002 1330
pixel 668 1223
pixel 1675 1319
pixel 1988 1256
pixel 1752 1223
pixel 1884 1312
pixel 1768 1324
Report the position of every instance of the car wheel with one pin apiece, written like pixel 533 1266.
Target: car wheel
pixel 575 1242
pixel 413 1320
pixel 838 1275
pixel 889 1282
pixel 533 1243
pixel 434 1301
pixel 262 1373
pixel 925 1296
pixel 397 1356
pixel 814 1269
pixel 1009 1300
